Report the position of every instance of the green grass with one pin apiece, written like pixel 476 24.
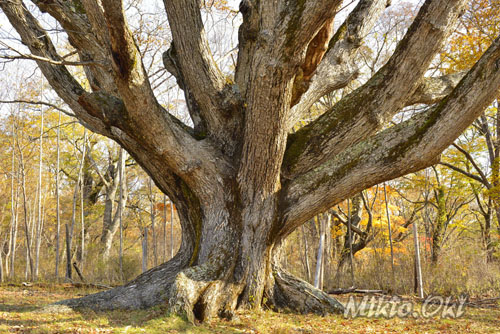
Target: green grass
pixel 20 313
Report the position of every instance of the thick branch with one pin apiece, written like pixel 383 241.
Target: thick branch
pixel 304 20
pixel 212 92
pixel 338 67
pixel 89 42
pixel 363 112
pixel 402 149
pixel 172 65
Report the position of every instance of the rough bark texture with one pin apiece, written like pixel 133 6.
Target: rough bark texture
pixel 239 181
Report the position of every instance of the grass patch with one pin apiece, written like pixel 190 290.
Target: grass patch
pixel 20 313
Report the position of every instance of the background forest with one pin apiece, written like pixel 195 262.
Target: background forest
pixel 71 200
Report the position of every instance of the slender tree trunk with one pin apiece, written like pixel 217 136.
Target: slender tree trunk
pixel 82 220
pixel 439 226
pixel 68 253
pixel 1 261
pixel 486 236
pixel 349 235
pixel 7 254
pixel 29 258
pixel 319 256
pixel 39 203
pixel 70 229
pixel 164 218
pixel 418 266
pixel 390 235
pixel 171 229
pixel 58 209
pixel 14 203
pixel 111 222
pixel 145 249
pixel 307 268
pixel 153 226
pixel 121 171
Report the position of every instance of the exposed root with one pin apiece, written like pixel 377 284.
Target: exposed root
pixel 201 292
pixel 299 296
pixel 147 290
pixel 196 295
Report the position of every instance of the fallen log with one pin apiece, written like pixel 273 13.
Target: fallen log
pixel 354 290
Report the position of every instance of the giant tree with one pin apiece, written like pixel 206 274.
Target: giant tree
pixel 240 182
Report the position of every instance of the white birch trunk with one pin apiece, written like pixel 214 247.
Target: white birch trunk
pixel 418 266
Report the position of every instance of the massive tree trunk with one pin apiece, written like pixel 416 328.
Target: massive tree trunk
pixel 240 182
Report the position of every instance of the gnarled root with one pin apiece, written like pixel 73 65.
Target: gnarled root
pixel 296 295
pixel 200 293
pixel 147 290
pixel 194 295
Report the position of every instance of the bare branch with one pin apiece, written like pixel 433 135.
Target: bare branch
pixel 91 42
pixel 469 157
pixel 467 174
pixel 51 105
pixel 53 62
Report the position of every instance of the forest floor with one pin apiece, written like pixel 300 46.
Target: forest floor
pixel 20 312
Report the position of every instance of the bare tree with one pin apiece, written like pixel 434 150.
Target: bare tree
pixel 240 182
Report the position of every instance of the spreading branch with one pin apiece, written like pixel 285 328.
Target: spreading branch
pixel 366 110
pixel 404 148
pixel 338 67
